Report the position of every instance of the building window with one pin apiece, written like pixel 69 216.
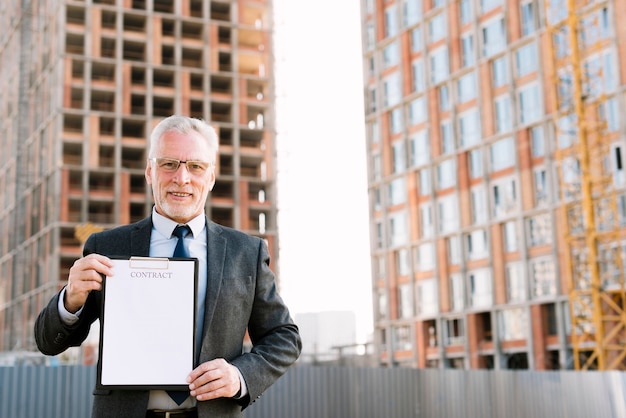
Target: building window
pixel 504 197
pixel 455 332
pixel 599 74
pixel 466 11
pixel 499 72
pixel 513 324
pixel 424 178
pixel 454 250
pixel 419 80
pixel 609 256
pixel 479 207
pixel 566 131
pixel 617 164
pixel 448 214
pixel 476 163
pixel 469 127
pixel 402 337
pixel 382 304
pixel 504 118
pixel 391 55
pixel 515 282
pixel 397 192
pixel 370 35
pixel 477 246
pixel 444 98
pixel 526 59
pixel 457 302
pixel 417 41
pixel 427 300
pixel 393 89
pixel 542 278
pixel 398 229
pixel 510 236
pixel 437 27
pixel 609 112
pixel 403 266
pixel 530 104
pixel 467 47
pixel 375 132
pixel 379 235
pixel 376 167
pixel 446 174
pixel 538 145
pixel 621 211
pixel 391 21
pixel 502 154
pixel 426 220
pixel 466 87
pixel 439 65
pixel 527 17
pixel 405 301
pixel 417 111
pixel 412 12
pixel 539 230
pixel 541 186
pixel 425 257
pixel 494 37
pixel 398 156
pixel 481 295
pixel 377 199
pixel 420 149
pixel 447 138
pixel 397 121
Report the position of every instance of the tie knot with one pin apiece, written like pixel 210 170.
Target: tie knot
pixel 181 231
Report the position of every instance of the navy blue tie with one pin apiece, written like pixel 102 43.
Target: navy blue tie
pixel 180 231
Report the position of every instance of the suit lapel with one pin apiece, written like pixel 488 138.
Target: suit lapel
pixel 216 254
pixel 140 238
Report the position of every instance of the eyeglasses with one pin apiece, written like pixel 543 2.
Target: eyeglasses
pixel 171 165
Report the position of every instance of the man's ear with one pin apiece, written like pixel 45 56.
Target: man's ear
pixel 148 173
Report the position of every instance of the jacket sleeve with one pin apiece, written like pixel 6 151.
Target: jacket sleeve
pixel 53 336
pixel 275 337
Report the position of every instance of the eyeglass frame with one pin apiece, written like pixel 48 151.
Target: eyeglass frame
pixel 179 162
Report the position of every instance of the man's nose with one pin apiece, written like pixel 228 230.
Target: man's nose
pixel 182 174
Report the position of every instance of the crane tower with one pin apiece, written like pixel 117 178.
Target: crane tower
pixel 585 157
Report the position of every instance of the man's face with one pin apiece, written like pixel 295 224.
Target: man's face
pixel 180 194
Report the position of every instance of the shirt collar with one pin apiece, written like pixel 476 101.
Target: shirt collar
pixel 165 226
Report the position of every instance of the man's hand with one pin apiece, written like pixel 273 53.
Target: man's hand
pixel 214 379
pixel 85 276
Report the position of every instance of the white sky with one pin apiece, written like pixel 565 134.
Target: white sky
pixel 323 211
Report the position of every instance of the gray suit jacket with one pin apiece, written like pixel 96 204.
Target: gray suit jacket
pixel 241 296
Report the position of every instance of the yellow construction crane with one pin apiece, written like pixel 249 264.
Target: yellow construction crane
pixel 593 259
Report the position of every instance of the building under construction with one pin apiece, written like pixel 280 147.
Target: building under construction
pixel 83 83
pixel 496 182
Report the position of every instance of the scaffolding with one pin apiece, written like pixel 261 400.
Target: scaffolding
pixel 593 254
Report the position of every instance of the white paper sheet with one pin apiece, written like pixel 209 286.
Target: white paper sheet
pixel 147 334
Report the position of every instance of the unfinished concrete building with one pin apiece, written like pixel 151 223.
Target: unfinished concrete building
pixel 83 82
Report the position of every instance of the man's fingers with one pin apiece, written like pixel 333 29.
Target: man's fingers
pixel 214 379
pixel 86 276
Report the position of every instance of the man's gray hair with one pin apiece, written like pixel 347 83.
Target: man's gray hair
pixel 184 125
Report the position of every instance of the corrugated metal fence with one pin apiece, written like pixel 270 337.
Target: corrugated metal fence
pixel 329 392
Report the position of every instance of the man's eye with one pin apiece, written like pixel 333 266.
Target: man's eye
pixel 196 166
pixel 169 165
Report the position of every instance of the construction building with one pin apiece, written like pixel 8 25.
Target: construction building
pixel 83 82
pixel 496 182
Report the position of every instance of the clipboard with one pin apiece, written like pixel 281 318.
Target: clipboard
pixel 147 330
